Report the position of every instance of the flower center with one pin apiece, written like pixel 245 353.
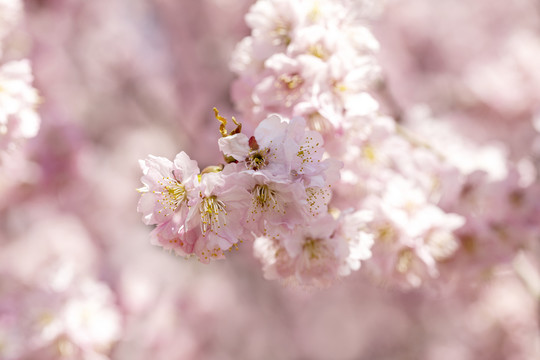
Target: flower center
pixel 405 261
pixel 315 12
pixel 318 50
pixel 173 194
pixel 292 81
pixel 213 214
pixel 257 159
pixel 369 153
pixel 315 249
pixel 281 34
pixel 264 197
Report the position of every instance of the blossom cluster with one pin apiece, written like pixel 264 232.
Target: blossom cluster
pixel 313 62
pixel 276 187
pixel 317 60
pixel 305 58
pixel 398 189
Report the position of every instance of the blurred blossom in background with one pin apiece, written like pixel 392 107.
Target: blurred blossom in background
pixel 87 88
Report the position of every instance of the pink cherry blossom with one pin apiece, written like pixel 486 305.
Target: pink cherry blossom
pixel 168 187
pixel 308 255
pixel 218 212
pixel 275 203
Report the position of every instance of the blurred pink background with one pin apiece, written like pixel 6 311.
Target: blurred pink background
pixel 120 79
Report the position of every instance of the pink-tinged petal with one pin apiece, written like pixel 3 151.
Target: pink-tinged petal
pixel 184 167
pixel 236 146
pixel 168 188
pixel 270 130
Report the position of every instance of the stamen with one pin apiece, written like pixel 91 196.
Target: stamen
pixel 405 261
pixel 369 153
pixel 315 12
pixel 213 214
pixel 264 197
pixel 318 50
pixel 316 249
pixel 257 159
pixel 291 82
pixel 281 34
pixel 317 199
pixel 307 152
pixel 173 194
